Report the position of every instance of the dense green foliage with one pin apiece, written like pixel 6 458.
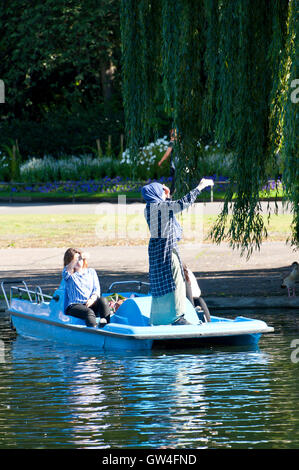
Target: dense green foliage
pixel 222 72
pixel 290 131
pixel 226 70
pixel 60 61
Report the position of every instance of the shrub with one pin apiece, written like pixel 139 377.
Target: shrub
pixel 90 167
pixel 60 133
pixel 4 168
pixel 11 158
pixel 148 158
pixel 75 168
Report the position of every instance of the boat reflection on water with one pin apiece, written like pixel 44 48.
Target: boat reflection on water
pixel 59 396
pixel 162 400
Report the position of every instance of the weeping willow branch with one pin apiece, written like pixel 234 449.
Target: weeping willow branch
pixel 277 63
pixel 139 69
pixel 249 132
pixel 183 78
pixel 290 122
pixel 228 80
pixel 226 68
pixel 211 63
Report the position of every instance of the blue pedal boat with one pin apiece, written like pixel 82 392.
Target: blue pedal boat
pixel 43 317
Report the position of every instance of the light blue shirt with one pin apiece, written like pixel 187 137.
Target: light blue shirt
pixel 80 286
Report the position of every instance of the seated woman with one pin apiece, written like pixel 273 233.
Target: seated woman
pixel 83 292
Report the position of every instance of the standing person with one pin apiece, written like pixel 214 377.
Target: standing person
pixel 166 274
pixel 173 158
pixel 83 292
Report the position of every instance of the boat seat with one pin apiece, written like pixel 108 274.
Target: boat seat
pixel 136 312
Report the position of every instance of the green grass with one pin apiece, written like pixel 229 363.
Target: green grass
pixel 67 196
pixel 60 230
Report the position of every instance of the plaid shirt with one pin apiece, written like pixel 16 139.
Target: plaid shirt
pixel 165 233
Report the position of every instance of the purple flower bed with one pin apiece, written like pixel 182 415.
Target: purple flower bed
pixel 272 185
pixel 110 185
pixel 113 185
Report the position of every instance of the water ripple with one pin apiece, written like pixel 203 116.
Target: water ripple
pixel 52 396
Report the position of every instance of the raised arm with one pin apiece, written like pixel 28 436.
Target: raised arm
pixel 165 156
pixel 183 203
pixel 69 268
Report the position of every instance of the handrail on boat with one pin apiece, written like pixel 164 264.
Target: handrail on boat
pixel 14 281
pixel 140 283
pixel 37 293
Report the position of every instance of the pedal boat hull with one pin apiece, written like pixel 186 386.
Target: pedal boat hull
pixel 129 328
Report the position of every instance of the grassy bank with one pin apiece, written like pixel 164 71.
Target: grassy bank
pixel 66 197
pixel 102 229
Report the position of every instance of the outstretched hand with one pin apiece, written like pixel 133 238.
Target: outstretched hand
pixel 204 183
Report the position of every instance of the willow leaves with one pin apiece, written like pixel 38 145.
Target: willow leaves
pixel 226 70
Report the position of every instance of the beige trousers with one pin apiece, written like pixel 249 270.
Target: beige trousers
pixel 167 308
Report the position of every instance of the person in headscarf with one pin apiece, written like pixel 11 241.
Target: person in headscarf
pixel 166 274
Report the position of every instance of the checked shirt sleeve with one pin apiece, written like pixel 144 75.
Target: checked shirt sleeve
pixel 184 202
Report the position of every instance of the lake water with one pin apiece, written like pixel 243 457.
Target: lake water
pixel 54 396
